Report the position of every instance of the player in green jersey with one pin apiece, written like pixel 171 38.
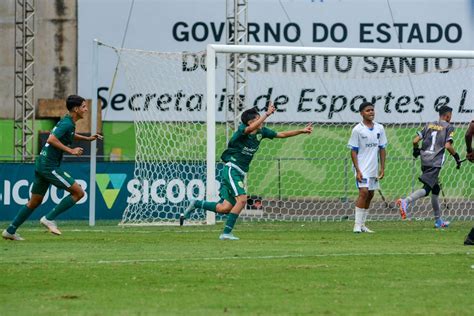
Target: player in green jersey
pixel 237 158
pixel 47 170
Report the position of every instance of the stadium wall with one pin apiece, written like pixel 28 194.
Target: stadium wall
pixel 55 51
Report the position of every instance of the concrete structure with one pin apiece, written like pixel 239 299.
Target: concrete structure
pixel 55 50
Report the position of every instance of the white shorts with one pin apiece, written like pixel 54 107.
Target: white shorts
pixel 369 183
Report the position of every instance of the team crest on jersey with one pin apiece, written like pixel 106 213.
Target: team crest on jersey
pixel 259 137
pixel 241 184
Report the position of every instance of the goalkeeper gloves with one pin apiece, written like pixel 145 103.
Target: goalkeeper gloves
pixel 458 160
pixel 416 152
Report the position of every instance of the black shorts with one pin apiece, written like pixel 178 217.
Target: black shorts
pixel 430 176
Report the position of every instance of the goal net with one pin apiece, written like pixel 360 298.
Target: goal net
pixel 308 177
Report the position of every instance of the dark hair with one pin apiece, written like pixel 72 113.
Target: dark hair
pixel 73 100
pixel 444 109
pixel 364 105
pixel 249 115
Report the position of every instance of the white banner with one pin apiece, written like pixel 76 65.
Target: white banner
pixel 187 26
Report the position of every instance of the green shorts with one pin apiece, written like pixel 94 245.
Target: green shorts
pixel 232 184
pixel 46 176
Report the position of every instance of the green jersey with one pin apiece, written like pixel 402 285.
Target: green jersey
pixel 51 156
pixel 242 147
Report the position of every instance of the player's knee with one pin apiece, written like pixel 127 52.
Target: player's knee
pixel 363 194
pixel 32 204
pixel 436 189
pixel 242 200
pixel 78 194
pixel 427 189
pixel 224 207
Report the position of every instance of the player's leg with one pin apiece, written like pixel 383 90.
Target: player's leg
pixel 360 205
pixel 40 186
pixel 21 217
pixel 62 180
pixel 469 241
pixel 240 202
pixel 429 179
pixel 232 190
pixel 439 223
pixel 216 207
pixel 370 196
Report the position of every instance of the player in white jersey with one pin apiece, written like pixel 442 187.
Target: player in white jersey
pixel 367 144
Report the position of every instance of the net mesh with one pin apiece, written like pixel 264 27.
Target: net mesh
pixel 308 177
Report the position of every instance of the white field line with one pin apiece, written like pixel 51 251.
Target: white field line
pixel 373 254
pixel 127 230
pixel 275 257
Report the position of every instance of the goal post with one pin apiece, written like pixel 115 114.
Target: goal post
pixel 181 123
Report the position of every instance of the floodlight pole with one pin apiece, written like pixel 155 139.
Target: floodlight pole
pixel 93 161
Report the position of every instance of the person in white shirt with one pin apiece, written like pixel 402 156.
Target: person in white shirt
pixel 367 144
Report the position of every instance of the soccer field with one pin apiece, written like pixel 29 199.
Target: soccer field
pixel 277 268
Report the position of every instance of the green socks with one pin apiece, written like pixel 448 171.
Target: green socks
pixel 19 219
pixel 25 212
pixel 229 224
pixel 208 206
pixel 63 206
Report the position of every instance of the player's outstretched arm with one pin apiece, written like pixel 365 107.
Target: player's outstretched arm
pixel 256 124
pixel 88 138
pixel 307 130
pixel 55 142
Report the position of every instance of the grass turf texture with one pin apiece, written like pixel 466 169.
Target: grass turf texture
pixel 276 268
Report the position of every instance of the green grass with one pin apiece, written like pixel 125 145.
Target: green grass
pixel 275 269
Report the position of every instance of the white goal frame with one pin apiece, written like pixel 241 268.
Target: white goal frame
pixel 212 50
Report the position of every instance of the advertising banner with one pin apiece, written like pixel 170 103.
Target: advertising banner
pixel 188 26
pixel 116 186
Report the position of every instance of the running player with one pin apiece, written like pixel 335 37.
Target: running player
pixel 47 170
pixel 436 137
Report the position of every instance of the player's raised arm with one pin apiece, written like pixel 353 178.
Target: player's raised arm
pixel 257 123
pixel 307 130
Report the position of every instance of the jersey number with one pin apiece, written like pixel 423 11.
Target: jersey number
pixel 433 140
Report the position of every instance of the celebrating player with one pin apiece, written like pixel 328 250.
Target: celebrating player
pixel 367 143
pixel 47 170
pixel 436 137
pixel 237 158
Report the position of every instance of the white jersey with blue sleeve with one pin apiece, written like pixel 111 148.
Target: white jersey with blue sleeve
pixel 367 142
